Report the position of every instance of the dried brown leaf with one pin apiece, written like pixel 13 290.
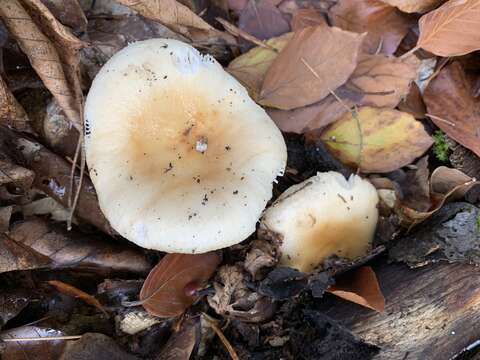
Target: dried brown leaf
pixel 383 80
pixel 53 178
pixel 311 117
pixel 413 103
pixel 454 109
pixel 170 287
pixel 250 68
pixel 451 30
pixel 71 249
pixel 386 25
pixel 360 287
pixel 95 346
pixel 12 113
pixel 15 256
pixel 179 18
pixel 38 350
pixel 304 18
pixel 262 19
pixel 18 176
pixel 181 343
pixel 235 300
pixel 77 293
pixel 415 6
pixel 51 49
pixel 302 72
pixel 68 12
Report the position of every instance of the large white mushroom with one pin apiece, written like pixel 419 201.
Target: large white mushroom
pixel 182 159
pixel 323 216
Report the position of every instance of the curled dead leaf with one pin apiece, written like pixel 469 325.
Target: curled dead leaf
pixel 235 300
pixel 171 286
pixel 360 287
pixel 451 30
pixel 302 73
pixel 51 49
pixel 376 139
pixel 179 18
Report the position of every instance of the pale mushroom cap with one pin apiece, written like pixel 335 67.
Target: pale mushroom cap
pixel 182 159
pixel 323 216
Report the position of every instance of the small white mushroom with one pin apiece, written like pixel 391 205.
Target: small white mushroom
pixel 182 159
pixel 323 216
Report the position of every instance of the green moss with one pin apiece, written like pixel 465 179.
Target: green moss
pixel 478 222
pixel 440 147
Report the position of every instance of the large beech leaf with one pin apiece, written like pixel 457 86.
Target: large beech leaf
pixel 376 139
pixel 453 107
pixel 303 74
pixel 171 285
pixel 451 30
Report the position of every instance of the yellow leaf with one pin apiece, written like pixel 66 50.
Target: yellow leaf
pixel 376 139
pixel 251 67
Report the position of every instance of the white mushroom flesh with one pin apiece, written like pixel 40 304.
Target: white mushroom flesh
pixel 182 159
pixel 323 216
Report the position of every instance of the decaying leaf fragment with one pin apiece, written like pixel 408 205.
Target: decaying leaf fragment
pixel 14 256
pixel 12 113
pixel 171 286
pixel 454 108
pixel 51 49
pixel 52 176
pixel 451 30
pixel 360 287
pixel 451 234
pixel 235 300
pixel 179 18
pixel 302 73
pixel 376 139
pixel 250 68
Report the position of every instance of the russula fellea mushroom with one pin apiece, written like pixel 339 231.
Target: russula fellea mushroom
pixel 323 216
pixel 180 156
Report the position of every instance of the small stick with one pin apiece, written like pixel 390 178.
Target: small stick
pixel 48 338
pixel 440 119
pixel 224 340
